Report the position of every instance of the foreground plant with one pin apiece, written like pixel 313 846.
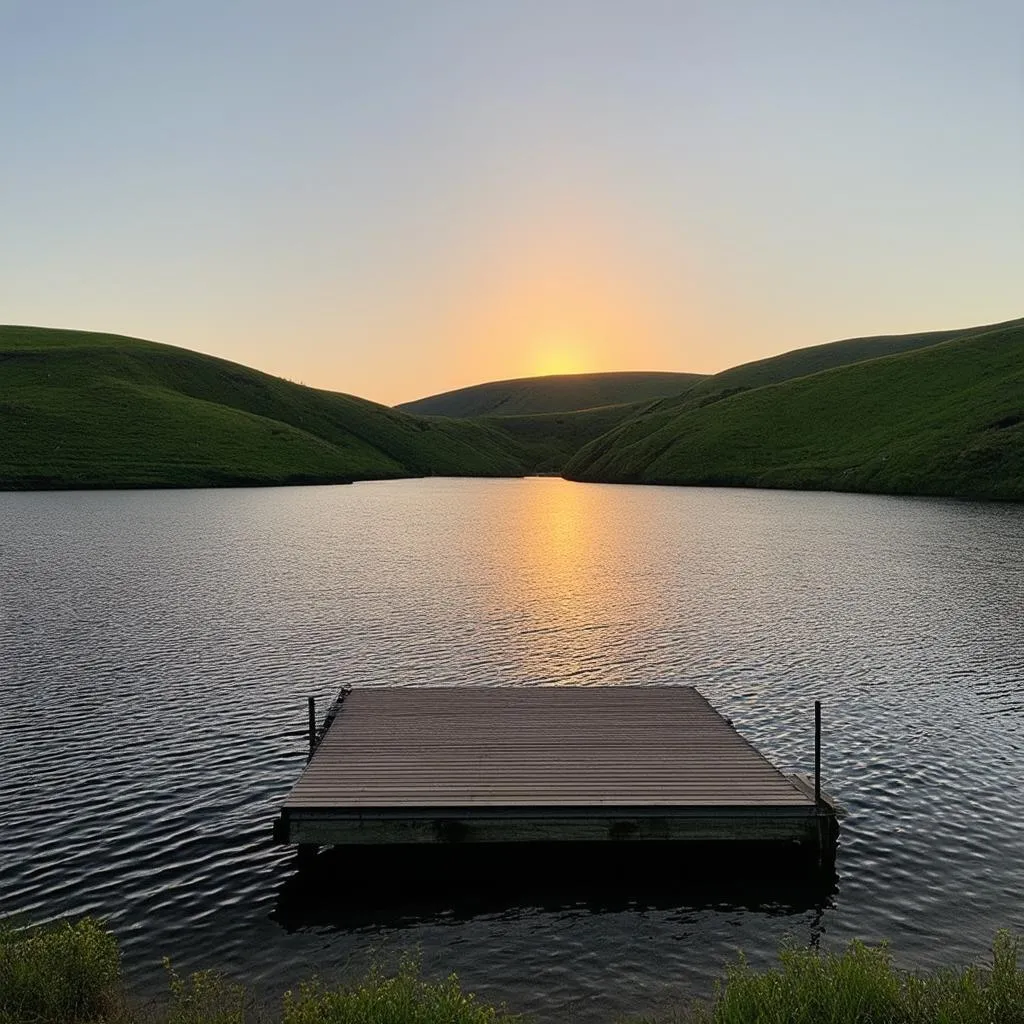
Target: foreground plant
pixel 63 973
pixel 403 998
pixel 70 974
pixel 861 986
pixel 204 997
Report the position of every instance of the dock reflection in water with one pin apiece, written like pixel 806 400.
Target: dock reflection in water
pixel 355 887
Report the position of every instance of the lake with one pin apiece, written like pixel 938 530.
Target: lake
pixel 157 649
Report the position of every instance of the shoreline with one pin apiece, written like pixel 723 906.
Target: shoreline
pixel 71 972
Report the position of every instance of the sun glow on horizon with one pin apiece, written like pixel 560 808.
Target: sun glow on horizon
pixel 558 353
pixel 562 293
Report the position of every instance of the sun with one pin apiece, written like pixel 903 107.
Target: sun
pixel 555 362
pixel 557 354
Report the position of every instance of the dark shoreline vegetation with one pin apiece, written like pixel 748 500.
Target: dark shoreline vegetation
pixel 939 413
pixel 70 973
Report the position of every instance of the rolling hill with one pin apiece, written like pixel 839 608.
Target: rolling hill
pixel 802 362
pixel 555 394
pixel 549 419
pixel 546 441
pixel 945 416
pixel 82 410
pixel 935 413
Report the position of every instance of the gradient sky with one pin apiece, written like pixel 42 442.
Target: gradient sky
pixel 398 198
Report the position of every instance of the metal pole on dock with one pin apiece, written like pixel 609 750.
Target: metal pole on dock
pixel 312 725
pixel 817 753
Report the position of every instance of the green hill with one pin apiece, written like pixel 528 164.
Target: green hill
pixel 79 409
pixel 802 362
pixel 546 441
pixel 946 418
pixel 936 413
pixel 555 394
pixel 707 390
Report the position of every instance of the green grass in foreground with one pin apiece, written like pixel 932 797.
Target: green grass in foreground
pixel 70 974
pixel 861 986
pixel 403 998
pixel 65 973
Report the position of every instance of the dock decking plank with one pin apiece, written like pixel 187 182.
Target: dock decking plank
pixel 536 747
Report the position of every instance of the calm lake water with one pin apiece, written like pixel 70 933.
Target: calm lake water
pixel 157 648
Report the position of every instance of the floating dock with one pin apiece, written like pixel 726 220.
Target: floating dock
pixel 552 764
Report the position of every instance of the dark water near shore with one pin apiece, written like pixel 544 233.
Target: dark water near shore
pixel 156 650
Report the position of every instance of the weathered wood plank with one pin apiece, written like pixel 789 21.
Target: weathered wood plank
pixel 539 764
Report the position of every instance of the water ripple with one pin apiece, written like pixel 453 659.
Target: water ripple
pixel 156 650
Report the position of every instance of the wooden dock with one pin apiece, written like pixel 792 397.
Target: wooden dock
pixel 498 765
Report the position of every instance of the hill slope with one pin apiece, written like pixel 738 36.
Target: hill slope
pixel 79 409
pixel 788 366
pixel 559 393
pixel 947 419
pixel 545 442
pixel 802 362
pixel 548 441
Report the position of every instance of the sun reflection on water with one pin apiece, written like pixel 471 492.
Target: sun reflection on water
pixel 553 582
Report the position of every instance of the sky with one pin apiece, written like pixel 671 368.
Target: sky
pixel 393 199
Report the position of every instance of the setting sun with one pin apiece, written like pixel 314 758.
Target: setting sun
pixel 558 353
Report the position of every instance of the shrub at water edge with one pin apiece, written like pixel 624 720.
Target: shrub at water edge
pixel 404 998
pixel 71 973
pixel 861 986
pixel 65 972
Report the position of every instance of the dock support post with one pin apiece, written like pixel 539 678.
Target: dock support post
pixel 312 725
pixel 817 753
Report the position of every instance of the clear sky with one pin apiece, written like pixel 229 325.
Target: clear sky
pixel 398 198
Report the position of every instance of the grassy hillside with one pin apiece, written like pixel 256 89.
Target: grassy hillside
pixel 545 442
pixel 943 419
pixel 96 410
pixel 559 393
pixel 548 441
pixel 802 362
pixel 932 413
